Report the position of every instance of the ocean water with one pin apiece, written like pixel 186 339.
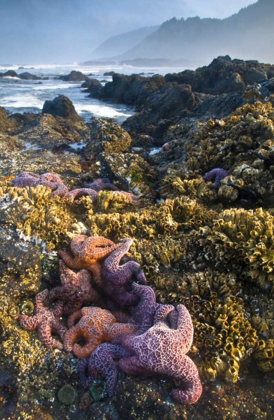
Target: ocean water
pixel 18 95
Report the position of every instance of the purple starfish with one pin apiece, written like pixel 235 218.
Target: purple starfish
pixel 162 350
pixel 75 290
pixel 52 181
pixel 25 179
pixel 79 192
pixel 101 362
pixel 216 174
pixel 143 313
pixel 116 278
pixel 101 184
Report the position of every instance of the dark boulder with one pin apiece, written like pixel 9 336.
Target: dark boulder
pixel 61 106
pixel 9 73
pixel 28 76
pixel 74 76
pixel 109 73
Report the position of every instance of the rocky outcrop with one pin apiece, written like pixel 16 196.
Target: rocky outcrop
pixel 224 75
pixel 74 76
pixel 61 106
pixel 93 87
pixel 131 90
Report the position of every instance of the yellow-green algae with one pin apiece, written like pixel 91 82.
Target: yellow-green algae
pixel 217 262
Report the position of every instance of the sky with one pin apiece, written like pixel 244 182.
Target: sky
pixel 67 31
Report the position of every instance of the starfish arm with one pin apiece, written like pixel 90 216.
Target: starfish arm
pixel 73 318
pixel 93 297
pixel 85 377
pixel 79 192
pixel 58 309
pixel 67 276
pixel 141 278
pixel 72 262
pixel 59 328
pixel 102 361
pixel 131 365
pixel 44 330
pixel 112 262
pixel 189 381
pixel 96 274
pixel 120 316
pixel 117 329
pixel 162 312
pixel 184 324
pixel 29 322
pixel 60 191
pixel 71 337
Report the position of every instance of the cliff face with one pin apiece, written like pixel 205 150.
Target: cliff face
pixel 119 44
pixel 248 34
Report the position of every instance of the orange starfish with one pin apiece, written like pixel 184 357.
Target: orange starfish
pixel 87 251
pixel 95 326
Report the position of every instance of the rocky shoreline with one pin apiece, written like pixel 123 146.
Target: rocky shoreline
pixel 202 243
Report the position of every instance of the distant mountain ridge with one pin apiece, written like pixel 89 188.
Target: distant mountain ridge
pixel 119 44
pixel 248 34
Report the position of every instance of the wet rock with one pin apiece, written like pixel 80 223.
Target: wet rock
pixel 93 87
pixel 107 136
pixel 74 76
pixel 28 76
pixel 61 106
pixel 9 73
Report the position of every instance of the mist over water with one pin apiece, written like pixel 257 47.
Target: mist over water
pixel 65 31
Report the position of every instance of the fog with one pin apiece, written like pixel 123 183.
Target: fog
pixel 66 31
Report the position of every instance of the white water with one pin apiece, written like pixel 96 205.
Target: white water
pixel 18 95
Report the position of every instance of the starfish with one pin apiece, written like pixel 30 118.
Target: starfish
pixel 162 350
pixel 25 179
pixel 116 278
pixel 75 290
pixel 87 251
pixel 216 174
pixel 79 192
pixel 46 321
pixel 101 362
pixel 101 184
pixel 52 181
pixel 96 325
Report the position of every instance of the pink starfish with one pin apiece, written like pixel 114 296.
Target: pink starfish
pixel 46 321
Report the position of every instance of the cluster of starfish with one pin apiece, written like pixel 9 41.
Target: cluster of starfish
pixel 54 182
pixel 125 321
